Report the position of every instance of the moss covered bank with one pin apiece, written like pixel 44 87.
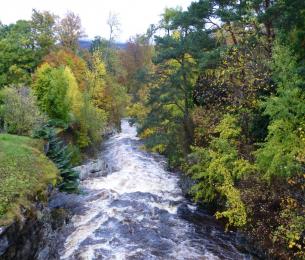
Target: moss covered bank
pixel 26 177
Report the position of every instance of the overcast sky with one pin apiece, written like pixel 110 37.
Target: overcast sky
pixel 135 15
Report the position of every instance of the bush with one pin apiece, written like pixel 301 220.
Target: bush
pixel 74 95
pixel 92 123
pixel 51 87
pixel 217 169
pixel 18 111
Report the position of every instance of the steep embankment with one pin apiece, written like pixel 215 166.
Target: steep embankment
pixel 25 174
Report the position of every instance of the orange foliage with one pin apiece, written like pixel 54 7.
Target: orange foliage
pixel 64 57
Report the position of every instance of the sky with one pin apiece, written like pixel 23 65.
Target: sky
pixel 134 15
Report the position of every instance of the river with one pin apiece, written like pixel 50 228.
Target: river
pixel 133 208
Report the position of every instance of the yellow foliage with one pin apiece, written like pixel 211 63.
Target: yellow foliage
pixel 236 211
pixel 74 95
pixel 160 148
pixel 176 35
pixel 138 111
pixel 148 132
pixel 96 80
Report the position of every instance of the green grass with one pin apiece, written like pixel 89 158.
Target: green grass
pixel 25 173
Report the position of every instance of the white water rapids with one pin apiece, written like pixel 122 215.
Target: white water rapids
pixel 136 210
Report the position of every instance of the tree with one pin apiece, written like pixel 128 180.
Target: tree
pixel 168 16
pixel 175 55
pixel 283 152
pixel 50 87
pixel 289 19
pixel 114 26
pixel 70 30
pixel 96 80
pixel 224 100
pixel 65 57
pixel 106 93
pixel 137 62
pixel 98 44
pixel 22 46
pixel 18 55
pixel 44 31
pixel 19 111
pixel 74 95
pixel 93 122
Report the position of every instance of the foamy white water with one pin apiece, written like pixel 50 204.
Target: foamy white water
pixel 137 211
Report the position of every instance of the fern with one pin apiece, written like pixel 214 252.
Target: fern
pixel 58 152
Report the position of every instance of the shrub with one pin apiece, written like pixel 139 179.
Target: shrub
pixel 217 169
pixel 51 87
pixel 92 123
pixel 18 111
pixel 74 95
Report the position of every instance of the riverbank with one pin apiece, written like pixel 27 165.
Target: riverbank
pixel 25 174
pixel 128 190
pixel 27 177
pixel 132 207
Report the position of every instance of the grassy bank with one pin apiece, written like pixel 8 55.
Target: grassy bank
pixel 25 173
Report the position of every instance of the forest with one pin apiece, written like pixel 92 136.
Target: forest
pixel 221 94
pixel 218 89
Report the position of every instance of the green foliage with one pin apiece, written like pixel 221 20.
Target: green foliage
pixel 137 111
pixel 116 100
pixel 105 91
pixel 291 24
pixel 109 55
pixel 50 88
pixel 43 30
pixel 92 123
pixel 24 171
pixel 79 97
pixel 22 46
pixel 74 96
pixel 283 152
pixel 76 156
pixel 170 97
pixel 96 80
pixel 18 111
pixel 235 212
pixel 59 153
pixel 217 169
pixel 221 58
pixel 59 95
pixel 216 58
pixel 164 135
pixel 66 58
pixel 17 53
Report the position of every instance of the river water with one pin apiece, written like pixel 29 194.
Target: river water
pixel 133 208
